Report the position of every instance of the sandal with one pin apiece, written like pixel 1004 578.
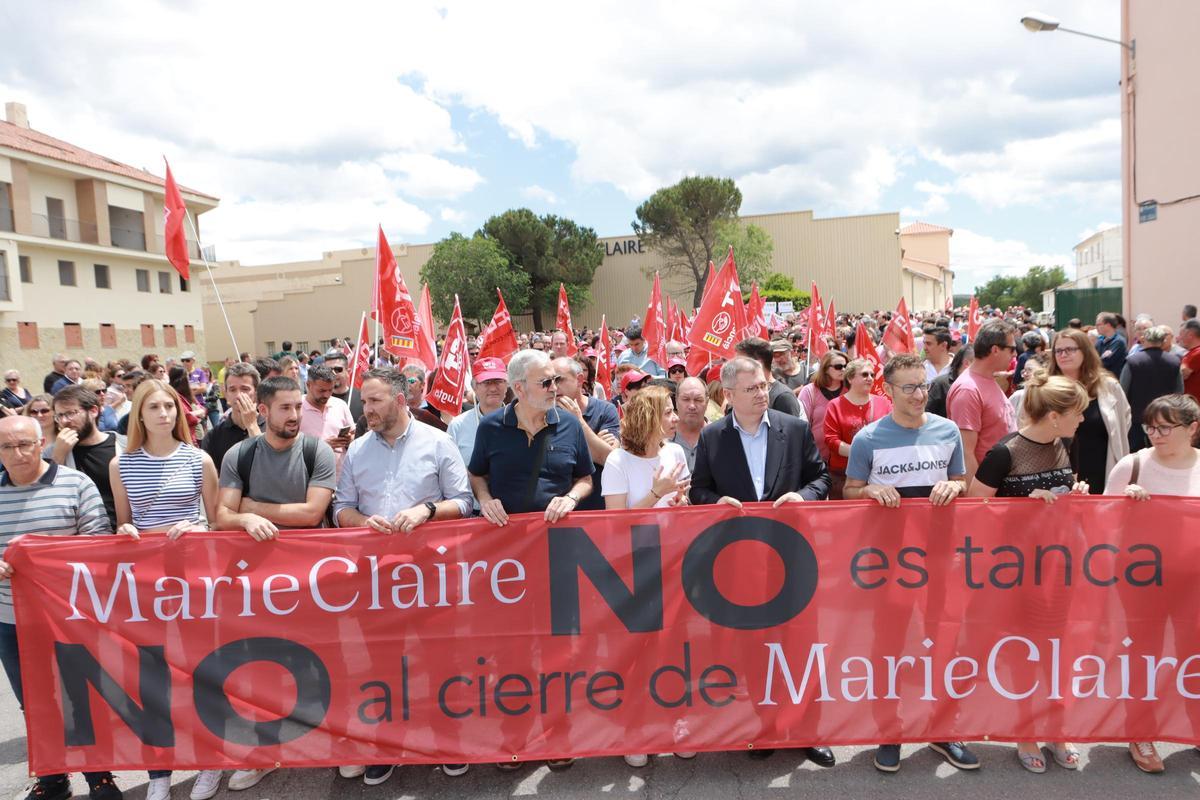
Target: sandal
pixel 1066 756
pixel 1032 762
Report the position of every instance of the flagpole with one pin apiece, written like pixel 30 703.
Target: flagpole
pixel 354 355
pixel 200 247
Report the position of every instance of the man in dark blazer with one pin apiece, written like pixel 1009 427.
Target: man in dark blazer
pixel 757 453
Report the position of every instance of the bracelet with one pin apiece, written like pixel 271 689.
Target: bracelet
pixel 572 498
pixel 656 494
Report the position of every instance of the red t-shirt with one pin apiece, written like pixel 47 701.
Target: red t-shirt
pixel 977 403
pixel 1192 361
pixel 844 419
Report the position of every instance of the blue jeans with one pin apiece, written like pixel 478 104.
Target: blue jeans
pixel 9 655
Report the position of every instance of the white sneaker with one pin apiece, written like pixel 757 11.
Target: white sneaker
pixel 637 760
pixel 685 754
pixel 351 772
pixel 159 789
pixel 245 778
pixel 207 784
pixel 454 770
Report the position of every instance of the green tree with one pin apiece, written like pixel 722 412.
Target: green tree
pixel 752 249
pixel 682 222
pixel 473 269
pixel 777 287
pixel 1002 292
pixel 549 250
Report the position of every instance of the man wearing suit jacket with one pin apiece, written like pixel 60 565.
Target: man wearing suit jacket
pixel 757 453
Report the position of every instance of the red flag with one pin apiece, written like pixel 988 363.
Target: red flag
pixel 754 312
pixel 564 320
pixel 898 335
pixel 654 327
pixel 446 394
pixel 831 320
pixel 498 339
pixel 721 318
pixel 949 303
pixel 709 280
pixel 698 362
pixel 393 305
pixel 425 330
pixel 174 237
pixel 974 319
pixel 685 325
pixel 864 345
pixel 672 320
pixel 362 359
pixel 816 325
pixel 603 359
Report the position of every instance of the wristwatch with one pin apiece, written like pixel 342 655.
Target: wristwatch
pixel 432 510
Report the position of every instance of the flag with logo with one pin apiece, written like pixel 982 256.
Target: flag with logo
pixel 446 393
pixel 498 339
pixel 974 318
pixel 816 325
pixel 898 335
pixel 393 304
pixel 754 314
pixel 362 355
pixel 721 317
pixel 174 236
pixel 564 320
pixel 654 326
pixel 864 345
pixel 604 359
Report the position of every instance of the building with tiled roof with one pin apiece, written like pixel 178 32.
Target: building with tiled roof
pixel 82 269
pixel 925 264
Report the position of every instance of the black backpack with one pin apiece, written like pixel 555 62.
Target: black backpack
pixel 246 460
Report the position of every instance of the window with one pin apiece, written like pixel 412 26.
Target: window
pixel 164 283
pixel 169 339
pixel 27 335
pixel 66 273
pixel 102 281
pixel 184 284
pixel 108 334
pixel 26 269
pixel 189 334
pixel 301 347
pixel 143 281
pixel 73 333
pixel 270 348
pixel 326 344
pixel 147 331
pixel 6 209
pixel 127 228
pixel 56 219
pixel 5 294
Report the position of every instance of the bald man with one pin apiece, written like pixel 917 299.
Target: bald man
pixel 690 403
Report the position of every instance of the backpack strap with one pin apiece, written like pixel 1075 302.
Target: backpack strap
pixel 246 461
pixel 1137 467
pixel 309 445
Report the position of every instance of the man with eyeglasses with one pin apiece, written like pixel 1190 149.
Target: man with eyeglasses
pixel 73 375
pixel 976 403
pixel 41 497
pixel 908 453
pixel 82 445
pixel 335 359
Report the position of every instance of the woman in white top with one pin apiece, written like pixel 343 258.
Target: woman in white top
pixel 1170 467
pixel 648 472
pixel 159 484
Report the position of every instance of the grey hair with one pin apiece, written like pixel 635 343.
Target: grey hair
pixel 395 380
pixel 1156 334
pixel 524 361
pixel 735 367
pixel 413 369
pixel 577 369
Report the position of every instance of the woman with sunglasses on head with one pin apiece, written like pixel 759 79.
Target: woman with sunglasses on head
pixel 826 384
pixel 847 415
pixel 41 408
pixel 1103 437
pixel 1171 466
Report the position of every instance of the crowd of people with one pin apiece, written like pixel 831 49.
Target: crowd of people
pixel 282 441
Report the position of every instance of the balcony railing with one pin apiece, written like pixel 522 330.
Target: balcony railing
pixel 6 220
pixel 73 230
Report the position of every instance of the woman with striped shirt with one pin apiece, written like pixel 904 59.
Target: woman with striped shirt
pixel 162 482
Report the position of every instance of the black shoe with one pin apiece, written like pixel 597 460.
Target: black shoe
pixel 103 788
pixel 887 758
pixel 821 756
pixel 378 773
pixel 57 789
pixel 761 755
pixel 956 753
pixel 561 764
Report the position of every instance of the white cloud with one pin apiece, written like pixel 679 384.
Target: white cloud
pixel 1094 229
pixel 540 194
pixel 976 257
pixel 452 215
pixel 427 176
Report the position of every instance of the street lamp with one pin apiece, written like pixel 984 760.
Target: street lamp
pixel 1040 23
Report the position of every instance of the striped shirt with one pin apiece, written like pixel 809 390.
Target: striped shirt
pixel 63 502
pixel 163 490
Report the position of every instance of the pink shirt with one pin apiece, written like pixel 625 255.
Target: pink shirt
pixel 325 424
pixel 977 403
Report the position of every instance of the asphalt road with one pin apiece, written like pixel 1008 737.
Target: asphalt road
pixel 1107 772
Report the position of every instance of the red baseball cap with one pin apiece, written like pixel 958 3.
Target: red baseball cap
pixel 489 369
pixel 632 377
pixel 713 374
pixel 676 362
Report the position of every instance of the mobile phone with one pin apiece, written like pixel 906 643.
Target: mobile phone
pixel 344 432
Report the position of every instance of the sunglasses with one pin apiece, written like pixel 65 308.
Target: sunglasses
pixel 12 380
pixel 338 369
pixel 837 366
pixel 548 382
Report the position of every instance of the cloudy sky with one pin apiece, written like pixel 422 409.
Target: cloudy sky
pixel 313 122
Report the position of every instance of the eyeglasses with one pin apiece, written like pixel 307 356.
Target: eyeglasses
pixel 412 379
pixel 12 380
pixel 866 374
pixel 60 416
pixel 40 412
pixel 837 366
pixel 338 369
pixel 23 448
pixel 1065 351
pixel 910 388
pixel 1159 430
pixel 758 388
pixel 548 382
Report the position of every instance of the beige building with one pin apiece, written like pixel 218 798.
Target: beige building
pixel 1160 159
pixel 857 261
pixel 82 269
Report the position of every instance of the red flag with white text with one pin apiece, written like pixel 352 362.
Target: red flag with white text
pixel 816 325
pixel 362 357
pixel 654 326
pixel 174 236
pixel 899 334
pixel 498 339
pixel 974 318
pixel 564 320
pixel 604 359
pixel 446 393
pixel 393 304
pixel 754 314
pixel 864 345
pixel 722 317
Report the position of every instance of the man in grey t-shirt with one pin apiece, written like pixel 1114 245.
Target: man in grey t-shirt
pixel 281 493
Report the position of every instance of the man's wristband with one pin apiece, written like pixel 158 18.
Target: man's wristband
pixel 572 498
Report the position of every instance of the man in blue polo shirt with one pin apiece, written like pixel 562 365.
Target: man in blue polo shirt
pixel 530 455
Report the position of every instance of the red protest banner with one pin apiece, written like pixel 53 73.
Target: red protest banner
pixel 614 632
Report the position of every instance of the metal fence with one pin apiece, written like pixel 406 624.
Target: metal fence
pixel 1084 304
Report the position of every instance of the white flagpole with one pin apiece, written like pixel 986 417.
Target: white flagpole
pixel 354 355
pixel 200 247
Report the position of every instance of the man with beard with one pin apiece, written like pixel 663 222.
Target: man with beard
pixel 82 445
pixel 241 422
pixel 324 416
pixel 335 359
pixel 282 479
pixel 397 477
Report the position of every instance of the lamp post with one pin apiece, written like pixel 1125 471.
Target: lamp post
pixel 1040 23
